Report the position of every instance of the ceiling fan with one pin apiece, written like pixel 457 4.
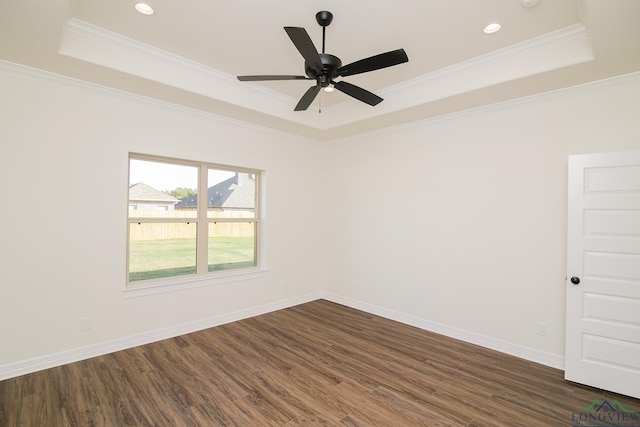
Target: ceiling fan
pixel 323 67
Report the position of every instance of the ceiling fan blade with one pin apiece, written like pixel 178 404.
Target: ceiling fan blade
pixel 274 77
pixel 358 93
pixel 373 63
pixel 307 98
pixel 305 46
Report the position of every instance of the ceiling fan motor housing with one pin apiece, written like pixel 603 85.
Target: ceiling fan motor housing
pixel 330 64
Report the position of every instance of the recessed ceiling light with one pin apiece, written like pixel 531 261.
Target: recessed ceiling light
pixel 144 8
pixel 492 28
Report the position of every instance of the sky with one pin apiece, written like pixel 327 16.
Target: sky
pixel 164 176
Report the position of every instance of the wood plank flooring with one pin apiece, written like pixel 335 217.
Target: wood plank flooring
pixel 316 364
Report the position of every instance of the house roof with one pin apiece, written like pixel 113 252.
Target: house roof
pixel 142 192
pixel 230 193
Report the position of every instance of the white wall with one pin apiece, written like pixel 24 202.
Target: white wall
pixel 63 164
pixel 459 224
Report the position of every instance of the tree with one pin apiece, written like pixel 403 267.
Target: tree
pixel 181 192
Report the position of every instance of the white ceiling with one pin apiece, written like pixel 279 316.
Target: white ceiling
pixel 189 53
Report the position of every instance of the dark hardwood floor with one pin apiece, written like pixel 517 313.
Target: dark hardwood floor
pixel 317 364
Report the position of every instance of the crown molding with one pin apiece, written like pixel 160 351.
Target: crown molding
pixel 25 71
pixel 8 67
pixel 608 83
pixel 87 42
pixel 562 48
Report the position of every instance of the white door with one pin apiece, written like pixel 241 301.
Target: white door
pixel 603 272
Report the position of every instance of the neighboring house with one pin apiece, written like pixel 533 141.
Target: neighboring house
pixel 145 197
pixel 236 193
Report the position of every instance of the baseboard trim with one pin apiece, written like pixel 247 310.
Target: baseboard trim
pixel 28 366
pixel 523 352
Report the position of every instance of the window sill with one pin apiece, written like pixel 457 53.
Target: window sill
pixel 191 282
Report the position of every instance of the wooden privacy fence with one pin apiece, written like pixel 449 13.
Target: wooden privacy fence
pixel 167 230
pixel 186 230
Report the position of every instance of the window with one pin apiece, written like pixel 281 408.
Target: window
pixel 189 218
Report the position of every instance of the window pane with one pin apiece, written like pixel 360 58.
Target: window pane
pixel 231 194
pixel 158 250
pixel 232 245
pixel 159 190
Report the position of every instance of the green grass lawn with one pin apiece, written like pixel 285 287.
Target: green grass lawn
pixel 153 259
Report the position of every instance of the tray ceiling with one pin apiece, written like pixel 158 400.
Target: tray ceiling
pixel 189 53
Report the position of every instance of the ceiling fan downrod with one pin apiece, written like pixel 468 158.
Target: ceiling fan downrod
pixel 324 18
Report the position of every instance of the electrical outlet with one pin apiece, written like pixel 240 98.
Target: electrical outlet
pixel 85 323
pixel 542 328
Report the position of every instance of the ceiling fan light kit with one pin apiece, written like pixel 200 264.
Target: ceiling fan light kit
pixel 324 67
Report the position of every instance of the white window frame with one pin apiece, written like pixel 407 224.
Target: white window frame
pixel 202 277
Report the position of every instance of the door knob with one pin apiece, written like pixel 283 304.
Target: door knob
pixel 575 280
